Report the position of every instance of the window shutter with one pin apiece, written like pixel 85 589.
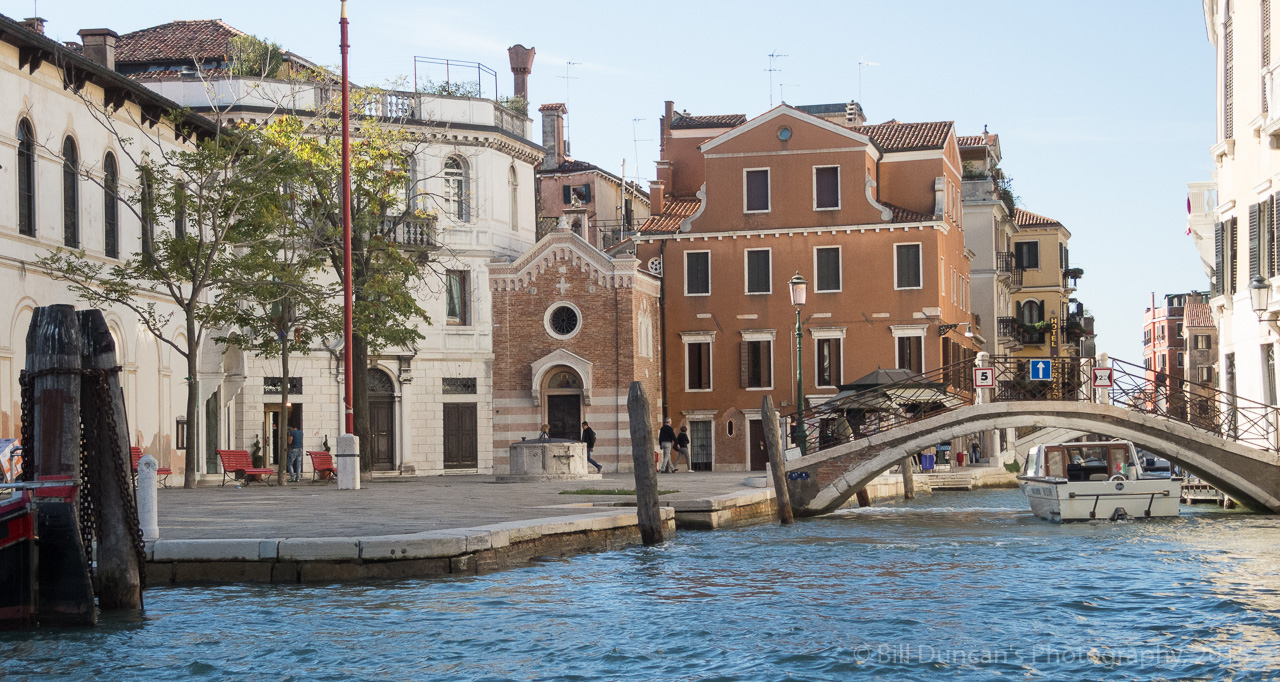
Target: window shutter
pixel 706 365
pixel 744 369
pixel 567 191
pixel 1255 220
pixel 1272 250
pixel 1219 273
pixel 586 194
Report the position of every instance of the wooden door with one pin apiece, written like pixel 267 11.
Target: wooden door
pixel 383 429
pixel 564 415
pixel 759 455
pixel 460 441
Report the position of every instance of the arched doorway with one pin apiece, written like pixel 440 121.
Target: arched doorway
pixel 562 395
pixel 382 422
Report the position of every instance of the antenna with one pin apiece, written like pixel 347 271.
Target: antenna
pixel 567 78
pixel 861 63
pixel 772 57
pixel 782 98
pixel 636 142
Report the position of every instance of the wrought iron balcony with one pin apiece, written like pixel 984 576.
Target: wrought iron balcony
pixel 1004 262
pixel 1007 327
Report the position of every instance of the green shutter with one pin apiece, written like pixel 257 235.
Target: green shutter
pixel 1218 272
pixel 1255 225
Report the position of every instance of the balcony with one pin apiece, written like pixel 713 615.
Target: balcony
pixel 1007 328
pixel 411 233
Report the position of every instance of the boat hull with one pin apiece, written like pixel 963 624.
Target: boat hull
pixel 1056 499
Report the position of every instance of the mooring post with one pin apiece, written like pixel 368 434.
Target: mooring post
pixel 648 514
pixel 148 507
pixel 107 442
pixel 773 444
pixel 348 462
pixel 53 366
pixel 864 498
pixel 908 478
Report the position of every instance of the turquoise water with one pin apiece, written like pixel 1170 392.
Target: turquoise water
pixel 961 585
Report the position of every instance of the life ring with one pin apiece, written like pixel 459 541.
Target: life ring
pixel 1118 477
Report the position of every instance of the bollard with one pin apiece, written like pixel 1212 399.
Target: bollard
pixel 348 460
pixel 648 512
pixel 908 479
pixel 148 509
pixel 773 444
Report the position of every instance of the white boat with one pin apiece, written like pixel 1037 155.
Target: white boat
pixel 1098 480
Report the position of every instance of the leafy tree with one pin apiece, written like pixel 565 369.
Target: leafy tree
pixel 253 56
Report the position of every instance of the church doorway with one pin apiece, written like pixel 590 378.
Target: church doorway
pixel 563 398
pixel 382 423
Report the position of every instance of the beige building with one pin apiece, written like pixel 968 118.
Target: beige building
pixel 1040 251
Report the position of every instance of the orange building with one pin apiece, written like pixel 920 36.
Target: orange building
pixel 869 215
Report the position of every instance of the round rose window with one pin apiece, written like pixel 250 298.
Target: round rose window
pixel 564 320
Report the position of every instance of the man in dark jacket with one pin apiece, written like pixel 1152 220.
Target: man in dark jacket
pixel 666 439
pixel 589 437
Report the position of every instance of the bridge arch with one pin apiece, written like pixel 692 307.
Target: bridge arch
pixel 1248 475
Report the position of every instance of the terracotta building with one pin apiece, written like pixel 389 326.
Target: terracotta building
pixel 1164 347
pixel 869 215
pixel 572 328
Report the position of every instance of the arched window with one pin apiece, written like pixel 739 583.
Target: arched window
pixel 1032 311
pixel 457 189
pixel 70 193
pixel 514 185
pixel 148 197
pixel 26 178
pixel 111 206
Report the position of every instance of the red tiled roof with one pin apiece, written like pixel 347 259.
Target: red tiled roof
pixel 177 73
pixel 894 136
pixel 1028 219
pixel 675 211
pixel 572 166
pixel 553 106
pixel 906 215
pixel 1198 315
pixel 717 121
pixel 200 39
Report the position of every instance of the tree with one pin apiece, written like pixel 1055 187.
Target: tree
pixel 198 204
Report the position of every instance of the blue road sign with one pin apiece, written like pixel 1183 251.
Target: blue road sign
pixel 1041 370
pixel 798 475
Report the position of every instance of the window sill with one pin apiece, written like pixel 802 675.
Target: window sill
pixel 758 293
pixel 763 211
pixel 829 208
pixel 696 295
pixel 827 291
pixel 759 388
pixel 698 390
pixel 898 288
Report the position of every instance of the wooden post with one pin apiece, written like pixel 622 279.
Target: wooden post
pixel 773 444
pixel 65 588
pixel 908 479
pixel 648 514
pixel 864 498
pixel 107 438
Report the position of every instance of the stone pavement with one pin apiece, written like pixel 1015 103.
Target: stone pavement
pixel 395 505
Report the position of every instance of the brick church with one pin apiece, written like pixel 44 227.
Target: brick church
pixel 572 328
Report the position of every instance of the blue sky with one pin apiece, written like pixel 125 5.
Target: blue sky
pixel 1104 109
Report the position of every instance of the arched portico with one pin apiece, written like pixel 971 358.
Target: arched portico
pixel 1248 475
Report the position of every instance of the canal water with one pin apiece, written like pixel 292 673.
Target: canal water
pixel 961 585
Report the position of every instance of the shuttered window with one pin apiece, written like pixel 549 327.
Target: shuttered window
pixel 697 273
pixel 826 187
pixel 907 265
pixel 111 206
pixel 911 353
pixel 1219 259
pixel 26 179
pixel 1266 49
pixel 829 358
pixel 1026 255
pixel 757 189
pixel 1228 76
pixel 1233 255
pixel 758 272
pixel 1255 235
pixel 1272 250
pixel 827 264
pixel 757 364
pixel 698 366
pixel 70 193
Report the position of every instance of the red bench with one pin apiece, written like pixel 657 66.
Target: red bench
pixel 163 473
pixel 322 465
pixel 238 465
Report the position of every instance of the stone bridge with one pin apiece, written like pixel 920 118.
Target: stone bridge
pixel 1249 475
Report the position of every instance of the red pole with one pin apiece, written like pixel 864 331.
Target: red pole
pixel 349 398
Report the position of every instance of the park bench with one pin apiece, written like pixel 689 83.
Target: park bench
pixel 322 465
pixel 237 465
pixel 162 473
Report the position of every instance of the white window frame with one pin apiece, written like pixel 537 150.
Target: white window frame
pixel 903 330
pixel 839 269
pixel 820 334
pixel 770 335
pixel 839 194
pixel 768 192
pixel 746 272
pixel 920 260
pixel 686 273
pixel 709 338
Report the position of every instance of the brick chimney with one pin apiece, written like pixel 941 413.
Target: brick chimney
pixel 100 45
pixel 664 125
pixel 34 24
pixel 521 66
pixel 656 200
pixel 553 134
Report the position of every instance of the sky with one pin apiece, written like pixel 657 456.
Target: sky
pixel 1104 109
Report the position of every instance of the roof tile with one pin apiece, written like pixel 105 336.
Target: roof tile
pixel 200 40
pixel 673 213
pixel 1025 218
pixel 1198 315
pixel 895 136
pixel 682 121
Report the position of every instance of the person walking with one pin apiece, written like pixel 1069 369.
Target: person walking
pixel 975 452
pixel 666 439
pixel 589 437
pixel 682 448
pixel 294 463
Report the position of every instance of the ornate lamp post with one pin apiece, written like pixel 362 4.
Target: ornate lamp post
pixel 1259 295
pixel 799 290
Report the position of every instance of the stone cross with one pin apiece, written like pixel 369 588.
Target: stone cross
pixel 563 286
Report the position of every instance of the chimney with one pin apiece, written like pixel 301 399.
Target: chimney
pixel 521 66
pixel 664 126
pixel 34 24
pixel 553 134
pixel 853 115
pixel 100 46
pixel 656 200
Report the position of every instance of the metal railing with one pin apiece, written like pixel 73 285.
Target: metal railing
pixel 1004 262
pixel 1007 327
pixel 854 415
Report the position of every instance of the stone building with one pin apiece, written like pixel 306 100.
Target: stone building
pixel 989 231
pixel 869 215
pixel 572 328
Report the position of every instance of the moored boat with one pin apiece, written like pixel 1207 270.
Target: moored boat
pixel 1096 480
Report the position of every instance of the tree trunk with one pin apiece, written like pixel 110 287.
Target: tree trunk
pixel 194 439
pixel 282 430
pixel 360 400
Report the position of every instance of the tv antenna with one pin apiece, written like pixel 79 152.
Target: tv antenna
pixel 861 63
pixel 773 56
pixel 567 78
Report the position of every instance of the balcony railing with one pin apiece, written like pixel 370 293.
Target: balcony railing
pixel 1004 262
pixel 410 233
pixel 1016 278
pixel 1007 328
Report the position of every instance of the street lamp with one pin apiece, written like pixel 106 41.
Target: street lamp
pixel 944 329
pixel 1259 295
pixel 799 290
